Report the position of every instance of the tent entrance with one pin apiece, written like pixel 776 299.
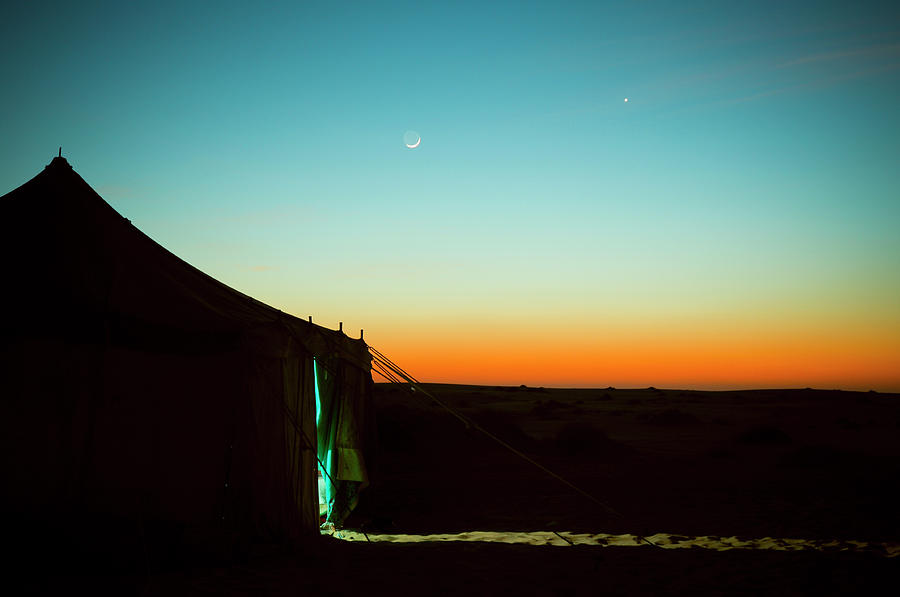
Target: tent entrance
pixel 322 488
pixel 339 445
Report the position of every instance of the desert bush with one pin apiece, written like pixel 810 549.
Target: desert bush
pixel 584 439
pixel 816 456
pixel 764 434
pixel 847 423
pixel 579 437
pixel 501 425
pixel 401 428
pixel 670 416
pixel 722 452
pixel 546 409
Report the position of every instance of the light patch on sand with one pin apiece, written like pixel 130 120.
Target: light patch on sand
pixel 662 540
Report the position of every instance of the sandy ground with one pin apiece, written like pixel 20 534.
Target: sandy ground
pixel 745 473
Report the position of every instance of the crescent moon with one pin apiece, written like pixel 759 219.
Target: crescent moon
pixel 416 144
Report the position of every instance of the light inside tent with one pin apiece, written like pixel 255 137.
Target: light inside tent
pixel 322 491
pixel 316 386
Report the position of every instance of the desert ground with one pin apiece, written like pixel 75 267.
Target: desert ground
pixel 761 467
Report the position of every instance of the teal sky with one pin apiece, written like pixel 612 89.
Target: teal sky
pixel 753 175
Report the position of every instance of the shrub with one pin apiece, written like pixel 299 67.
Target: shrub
pixel 546 409
pixel 817 456
pixel 500 425
pixel 670 416
pixel 764 434
pixel 580 439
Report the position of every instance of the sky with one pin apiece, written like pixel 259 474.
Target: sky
pixel 734 224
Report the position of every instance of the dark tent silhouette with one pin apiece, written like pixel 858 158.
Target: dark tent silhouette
pixel 137 392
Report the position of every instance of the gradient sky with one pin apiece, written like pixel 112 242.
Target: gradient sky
pixel 734 224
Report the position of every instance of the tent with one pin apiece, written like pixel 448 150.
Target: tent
pixel 138 392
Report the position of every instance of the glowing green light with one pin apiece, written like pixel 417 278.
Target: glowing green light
pixel 316 385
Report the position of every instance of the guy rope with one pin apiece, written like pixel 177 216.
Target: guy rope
pixel 395 374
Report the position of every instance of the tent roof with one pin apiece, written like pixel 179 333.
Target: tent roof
pixel 76 268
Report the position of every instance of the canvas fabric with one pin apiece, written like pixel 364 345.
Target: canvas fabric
pixel 136 388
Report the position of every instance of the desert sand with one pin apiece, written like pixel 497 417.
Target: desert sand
pixel 780 492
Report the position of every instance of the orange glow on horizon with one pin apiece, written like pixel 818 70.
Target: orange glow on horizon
pixel 740 359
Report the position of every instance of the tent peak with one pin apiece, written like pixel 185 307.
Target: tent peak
pixel 59 162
